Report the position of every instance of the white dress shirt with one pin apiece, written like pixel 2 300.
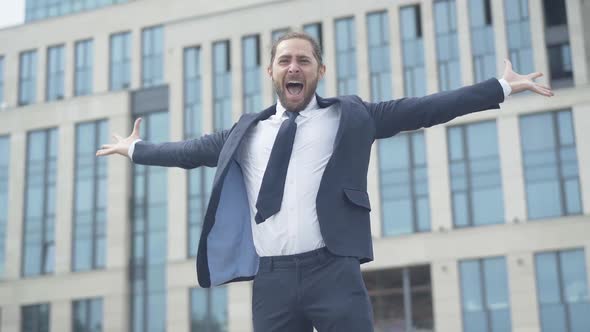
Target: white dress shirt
pixel 295 228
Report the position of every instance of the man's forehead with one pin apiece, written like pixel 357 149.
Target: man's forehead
pixel 295 46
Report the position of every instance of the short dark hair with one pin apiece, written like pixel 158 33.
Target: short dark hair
pixel 317 50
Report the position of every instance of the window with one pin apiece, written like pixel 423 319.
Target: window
pixel 87 315
pixel 83 70
pixel 550 165
pixel 404 184
pixel 518 34
pixel 27 78
pixel 474 171
pixel 562 291
pixel 37 10
pixel 35 318
pixel 345 57
pixel 152 56
pixel 90 198
pixel 209 309
pixel 222 117
pixel 251 74
pixel 482 40
pixel 1 81
pixel 401 298
pixel 484 295
pixel 315 31
pixel 55 73
pixel 4 173
pixel 120 61
pixel 149 235
pixel 558 43
pixel 412 51
pixel 278 33
pixel 379 59
pixel 40 196
pixel 447 45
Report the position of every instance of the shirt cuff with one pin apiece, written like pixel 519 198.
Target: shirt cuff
pixel 506 87
pixel 132 148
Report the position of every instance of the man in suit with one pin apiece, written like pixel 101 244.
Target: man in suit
pixel 289 205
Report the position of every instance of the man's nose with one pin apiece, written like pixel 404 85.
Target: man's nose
pixel 294 68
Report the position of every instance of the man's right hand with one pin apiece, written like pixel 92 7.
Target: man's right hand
pixel 122 144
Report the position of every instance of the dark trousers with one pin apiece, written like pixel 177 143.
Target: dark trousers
pixel 314 289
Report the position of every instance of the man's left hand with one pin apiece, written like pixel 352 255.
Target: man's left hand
pixel 520 83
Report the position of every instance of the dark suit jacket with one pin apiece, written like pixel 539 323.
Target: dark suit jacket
pixel 226 249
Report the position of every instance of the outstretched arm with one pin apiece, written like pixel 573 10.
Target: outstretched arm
pixel 406 114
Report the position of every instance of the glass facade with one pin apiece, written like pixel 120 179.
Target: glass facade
pixel 474 171
pixel 83 70
pixel 379 56
pixel 315 31
pixel 404 184
pixel 412 51
pixel 251 74
pixel 447 45
pixel 557 39
pixel 90 197
pixel 222 117
pixel 562 291
pixel 120 61
pixel 346 71
pixel 152 56
pixel 278 33
pixel 27 78
pixel 4 173
pixel 401 299
pixel 40 197
pixel 87 315
pixel 208 309
pixel 149 235
pixel 484 295
pixel 518 34
pixel 55 73
pixel 35 318
pixel 550 165
pixel 482 40
pixel 41 9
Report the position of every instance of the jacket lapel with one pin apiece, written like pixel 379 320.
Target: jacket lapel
pixel 327 102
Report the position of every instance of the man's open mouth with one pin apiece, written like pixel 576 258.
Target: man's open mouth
pixel 294 88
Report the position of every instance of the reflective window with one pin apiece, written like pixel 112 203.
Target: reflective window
pixel 90 198
pixel 55 73
pixel 40 196
pixel 152 56
pixel 401 299
pixel 404 184
pixel 474 171
pixel 1 80
pixel 35 318
pixel 222 117
pixel 278 33
pixel 251 74
pixel 120 61
pixel 379 56
pixel 484 295
pixel 447 45
pixel 346 70
pixel 4 173
pixel 37 9
pixel 83 69
pixel 562 291
pixel 482 40
pixel 208 309
pixel 87 315
pixel 149 235
pixel 558 43
pixel 412 51
pixel 550 165
pixel 518 34
pixel 315 31
pixel 27 78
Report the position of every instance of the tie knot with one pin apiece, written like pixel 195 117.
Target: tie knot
pixel 292 115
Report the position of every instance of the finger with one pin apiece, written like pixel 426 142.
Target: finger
pixel 104 152
pixel 136 127
pixel 117 137
pixel 534 75
pixel 543 86
pixel 508 64
pixel 542 91
pixel 106 146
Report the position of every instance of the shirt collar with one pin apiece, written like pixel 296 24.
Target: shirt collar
pixel 312 106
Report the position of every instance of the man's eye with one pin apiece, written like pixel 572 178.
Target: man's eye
pixel 283 61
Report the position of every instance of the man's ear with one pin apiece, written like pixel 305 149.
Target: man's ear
pixel 322 71
pixel 269 71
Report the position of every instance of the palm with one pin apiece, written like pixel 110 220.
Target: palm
pixel 520 83
pixel 121 146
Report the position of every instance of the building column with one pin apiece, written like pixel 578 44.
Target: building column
pixel 100 67
pixel 464 37
pixel 579 52
pixel 446 295
pixel 395 47
pixel 66 136
pixel 265 81
pixel 10 321
pixel 41 75
pixel 16 194
pixel 236 77
pixel 69 67
pixel 135 59
pixel 329 56
pixel 207 85
pixel 60 316
pixel 362 56
pixel 581 122
pixel 500 35
pixel 239 299
pixel 179 319
pixel 11 79
pixel 438 179
pixel 429 42
pixel 523 293
pixel 537 22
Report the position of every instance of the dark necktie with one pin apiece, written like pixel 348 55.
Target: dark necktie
pixel 273 182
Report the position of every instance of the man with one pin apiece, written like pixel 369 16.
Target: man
pixel 289 205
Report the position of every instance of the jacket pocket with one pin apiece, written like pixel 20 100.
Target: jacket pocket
pixel 358 197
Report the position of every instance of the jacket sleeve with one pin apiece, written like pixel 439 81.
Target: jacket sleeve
pixel 392 117
pixel 202 151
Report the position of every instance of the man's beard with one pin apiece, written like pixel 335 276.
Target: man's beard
pixel 280 91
